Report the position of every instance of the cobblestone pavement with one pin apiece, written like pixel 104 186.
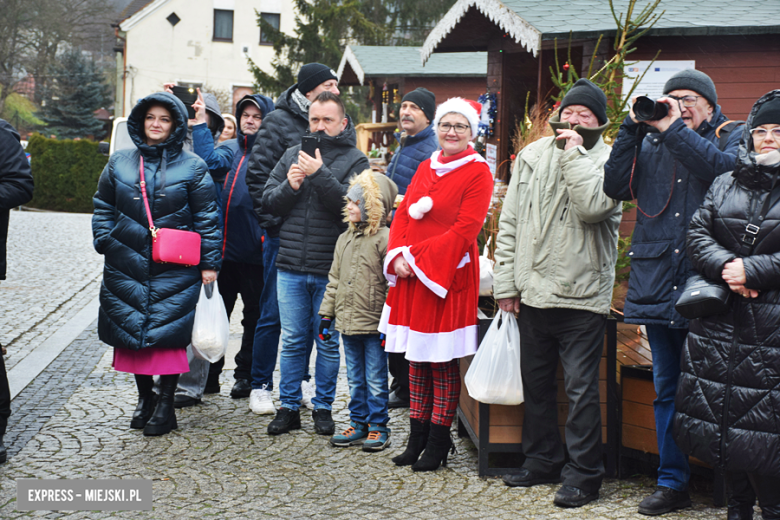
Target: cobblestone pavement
pixel 72 422
pixel 220 463
pixel 53 272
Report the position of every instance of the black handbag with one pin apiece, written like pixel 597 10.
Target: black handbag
pixel 703 297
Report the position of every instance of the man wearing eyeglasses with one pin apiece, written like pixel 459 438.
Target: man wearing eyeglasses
pixel 667 166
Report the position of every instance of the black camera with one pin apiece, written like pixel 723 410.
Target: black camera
pixel 645 109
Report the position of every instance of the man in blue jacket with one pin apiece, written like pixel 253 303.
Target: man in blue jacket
pixel 418 139
pixel 16 188
pixel 242 246
pixel 416 143
pixel 668 166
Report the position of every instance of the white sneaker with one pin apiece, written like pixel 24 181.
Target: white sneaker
pixel 261 403
pixel 309 390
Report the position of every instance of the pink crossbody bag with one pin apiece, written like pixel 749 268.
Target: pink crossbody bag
pixel 172 246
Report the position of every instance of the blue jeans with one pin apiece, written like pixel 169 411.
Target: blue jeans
pixel 666 345
pixel 266 343
pixel 367 374
pixel 300 296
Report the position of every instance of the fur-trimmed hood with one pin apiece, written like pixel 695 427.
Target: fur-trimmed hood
pixel 380 193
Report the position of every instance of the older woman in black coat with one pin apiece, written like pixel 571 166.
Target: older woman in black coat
pixel 147 309
pixel 728 398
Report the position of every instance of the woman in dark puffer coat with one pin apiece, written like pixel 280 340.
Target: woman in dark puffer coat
pixel 147 309
pixel 728 398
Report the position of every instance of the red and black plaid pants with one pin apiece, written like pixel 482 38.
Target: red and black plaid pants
pixel 434 390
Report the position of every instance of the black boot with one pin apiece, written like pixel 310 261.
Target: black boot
pixel 768 491
pixel 146 402
pixel 418 438
pixel 164 417
pixel 437 449
pixel 742 498
pixel 3 451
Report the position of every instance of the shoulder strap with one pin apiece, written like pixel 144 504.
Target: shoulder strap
pixel 146 199
pixel 756 219
pixel 724 130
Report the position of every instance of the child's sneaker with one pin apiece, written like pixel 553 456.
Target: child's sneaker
pixel 355 434
pixel 378 438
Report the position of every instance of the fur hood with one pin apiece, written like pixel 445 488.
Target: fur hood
pixel 379 192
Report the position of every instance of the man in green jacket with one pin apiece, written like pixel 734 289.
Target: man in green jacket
pixel 557 246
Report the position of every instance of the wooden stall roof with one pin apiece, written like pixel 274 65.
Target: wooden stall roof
pixel 529 22
pixel 360 62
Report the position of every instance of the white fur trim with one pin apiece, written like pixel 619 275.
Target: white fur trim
pixel 443 168
pixel 465 260
pixel 420 208
pixel 437 347
pixel 459 106
pixel 435 288
pixel 389 257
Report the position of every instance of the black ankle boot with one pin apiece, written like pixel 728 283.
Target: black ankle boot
pixel 437 449
pixel 740 512
pixel 163 419
pixel 146 401
pixel 418 438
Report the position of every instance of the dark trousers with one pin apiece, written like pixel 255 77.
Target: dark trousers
pixel 399 369
pixel 768 491
pixel 247 280
pixel 575 337
pixel 5 397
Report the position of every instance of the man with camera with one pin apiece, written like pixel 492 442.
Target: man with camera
pixel 667 164
pixel 555 257
pixel 306 190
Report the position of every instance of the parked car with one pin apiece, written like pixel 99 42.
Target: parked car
pixel 120 139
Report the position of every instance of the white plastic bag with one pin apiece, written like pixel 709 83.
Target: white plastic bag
pixel 494 375
pixel 212 328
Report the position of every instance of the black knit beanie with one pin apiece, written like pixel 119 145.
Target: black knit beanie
pixel 696 80
pixel 313 74
pixel 586 93
pixel 768 114
pixel 423 98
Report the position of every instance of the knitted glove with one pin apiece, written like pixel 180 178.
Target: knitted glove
pixel 325 327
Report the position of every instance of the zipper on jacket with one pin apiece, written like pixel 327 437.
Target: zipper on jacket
pixel 565 207
pixel 727 398
pixel 230 197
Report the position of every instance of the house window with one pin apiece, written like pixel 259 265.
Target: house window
pixel 223 25
pixel 273 19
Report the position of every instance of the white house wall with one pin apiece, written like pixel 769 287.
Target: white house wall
pixel 157 52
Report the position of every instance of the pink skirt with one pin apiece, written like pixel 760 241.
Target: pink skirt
pixel 151 361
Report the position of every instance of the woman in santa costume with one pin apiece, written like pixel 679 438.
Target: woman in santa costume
pixel 433 270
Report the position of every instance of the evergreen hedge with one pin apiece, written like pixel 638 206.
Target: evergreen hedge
pixel 66 173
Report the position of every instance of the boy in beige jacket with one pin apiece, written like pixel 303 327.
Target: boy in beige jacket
pixel 354 297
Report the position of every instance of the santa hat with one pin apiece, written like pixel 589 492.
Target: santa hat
pixel 465 107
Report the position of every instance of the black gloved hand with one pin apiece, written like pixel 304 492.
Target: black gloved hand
pixel 325 324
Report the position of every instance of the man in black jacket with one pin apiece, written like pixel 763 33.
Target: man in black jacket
pixel 16 188
pixel 308 192
pixel 281 129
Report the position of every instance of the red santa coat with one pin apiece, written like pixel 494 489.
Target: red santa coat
pixel 432 316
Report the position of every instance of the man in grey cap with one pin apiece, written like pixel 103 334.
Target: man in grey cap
pixel 667 166
pixel 281 129
pixel 555 265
